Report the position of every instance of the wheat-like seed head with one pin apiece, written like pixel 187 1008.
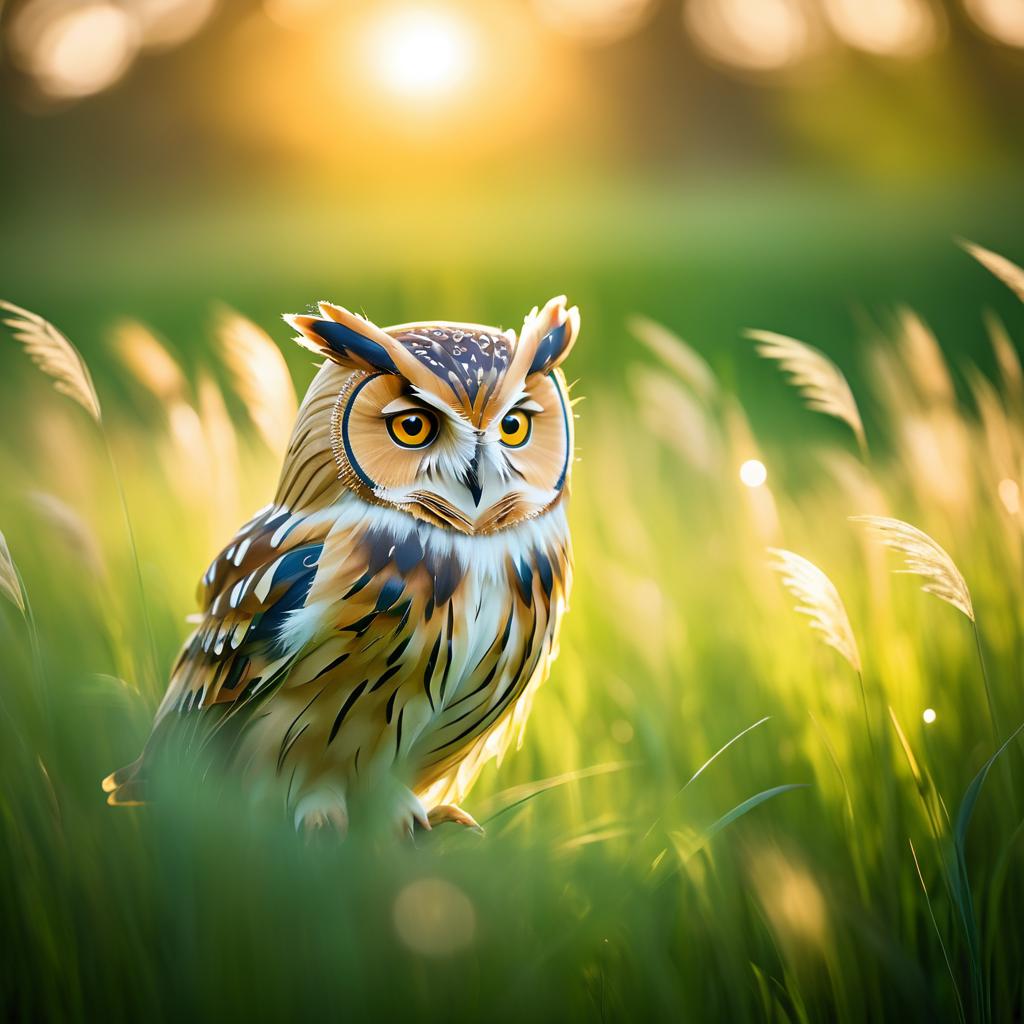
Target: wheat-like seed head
pixel 150 362
pixel 999 266
pixel 815 376
pixel 260 376
pixel 922 557
pixel 672 413
pixel 1006 357
pixel 923 362
pixel 221 453
pixel 10 587
pixel 818 599
pixel 679 357
pixel 54 354
pixel 72 529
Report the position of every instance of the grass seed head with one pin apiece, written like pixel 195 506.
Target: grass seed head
pixel 10 587
pixel 260 376
pixel 818 599
pixel 54 354
pixel 922 557
pixel 822 384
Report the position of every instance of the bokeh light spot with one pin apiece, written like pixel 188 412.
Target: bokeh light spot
pixel 753 473
pixel 889 28
pixel 76 51
pixel 928 716
pixel 622 731
pixel 296 14
pixel 167 23
pixel 594 21
pixel 433 917
pixel 1009 495
pixel 1001 19
pixel 760 35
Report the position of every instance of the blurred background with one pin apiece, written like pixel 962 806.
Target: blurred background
pixel 715 164
pixel 801 166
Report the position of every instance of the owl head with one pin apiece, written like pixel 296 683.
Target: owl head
pixel 463 426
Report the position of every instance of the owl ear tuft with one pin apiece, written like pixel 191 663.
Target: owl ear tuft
pixel 555 329
pixel 345 338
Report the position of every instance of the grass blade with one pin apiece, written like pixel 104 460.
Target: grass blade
pixel 740 810
pixel 519 795
pixel 973 791
pixel 938 934
pixel 700 771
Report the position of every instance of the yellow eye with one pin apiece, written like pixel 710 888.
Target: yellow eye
pixel 414 428
pixel 515 428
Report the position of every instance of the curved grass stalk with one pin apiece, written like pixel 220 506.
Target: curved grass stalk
pixel 822 384
pixel 819 600
pixel 925 557
pixel 700 771
pixel 260 376
pixel 52 351
pixel 961 1016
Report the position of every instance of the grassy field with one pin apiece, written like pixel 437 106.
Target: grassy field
pixel 714 815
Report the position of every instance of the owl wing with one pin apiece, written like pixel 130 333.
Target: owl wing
pixel 246 594
pixel 237 652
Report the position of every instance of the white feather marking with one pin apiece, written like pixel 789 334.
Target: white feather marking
pixel 267 580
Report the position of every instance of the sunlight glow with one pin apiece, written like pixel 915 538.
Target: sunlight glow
pixel 753 473
pixel 421 52
pixel 929 716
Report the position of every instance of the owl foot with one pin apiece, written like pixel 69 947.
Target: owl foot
pixel 322 811
pixel 410 813
pixel 449 812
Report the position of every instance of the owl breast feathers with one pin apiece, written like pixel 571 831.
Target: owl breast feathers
pixel 376 634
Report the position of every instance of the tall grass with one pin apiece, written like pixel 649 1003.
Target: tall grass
pixel 701 824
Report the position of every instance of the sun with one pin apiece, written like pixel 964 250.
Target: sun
pixel 421 53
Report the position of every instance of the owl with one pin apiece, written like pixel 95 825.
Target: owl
pixel 374 636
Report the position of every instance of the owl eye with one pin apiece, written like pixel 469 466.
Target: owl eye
pixel 414 428
pixel 514 428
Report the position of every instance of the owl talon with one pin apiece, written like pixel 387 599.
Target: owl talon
pixel 411 816
pixel 449 812
pixel 322 811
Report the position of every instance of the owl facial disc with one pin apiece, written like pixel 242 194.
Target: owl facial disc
pixel 460 425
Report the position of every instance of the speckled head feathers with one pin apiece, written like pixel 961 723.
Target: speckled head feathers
pixel 478 369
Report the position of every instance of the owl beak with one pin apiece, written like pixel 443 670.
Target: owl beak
pixel 471 478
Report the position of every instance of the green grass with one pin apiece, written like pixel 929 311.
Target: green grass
pixel 622 893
